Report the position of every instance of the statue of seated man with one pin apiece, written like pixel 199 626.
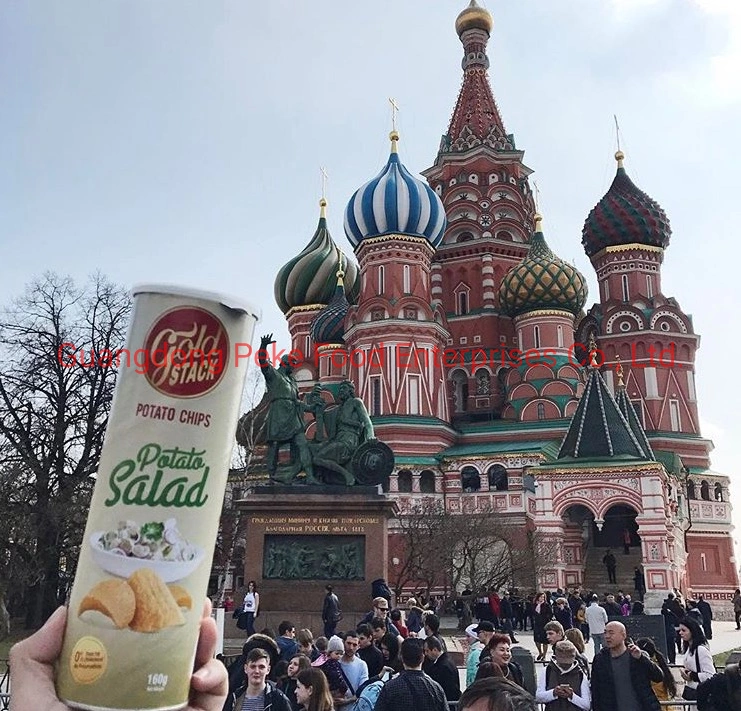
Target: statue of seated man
pixel 347 426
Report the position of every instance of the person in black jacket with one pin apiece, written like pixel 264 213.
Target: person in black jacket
pixel 622 675
pixel 256 669
pixel 440 667
pixel 331 613
pixel 721 692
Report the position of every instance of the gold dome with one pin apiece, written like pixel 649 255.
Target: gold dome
pixel 474 18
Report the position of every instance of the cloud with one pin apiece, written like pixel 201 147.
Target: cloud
pixel 629 11
pixel 716 81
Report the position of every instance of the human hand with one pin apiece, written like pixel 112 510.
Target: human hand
pixel 265 341
pixel 684 674
pixel 32 667
pixel 635 651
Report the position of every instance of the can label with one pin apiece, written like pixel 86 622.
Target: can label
pixel 145 559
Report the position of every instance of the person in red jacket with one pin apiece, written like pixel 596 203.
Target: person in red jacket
pixel 396 620
pixel 495 604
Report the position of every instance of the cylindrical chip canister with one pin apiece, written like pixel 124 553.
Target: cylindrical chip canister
pixel 146 554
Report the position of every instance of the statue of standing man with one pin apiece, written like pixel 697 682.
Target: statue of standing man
pixel 285 423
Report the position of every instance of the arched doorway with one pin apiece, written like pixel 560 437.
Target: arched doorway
pixel 578 524
pixel 619 530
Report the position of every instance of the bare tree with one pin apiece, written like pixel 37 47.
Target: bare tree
pixel 480 550
pixel 250 439
pixel 425 551
pixel 57 375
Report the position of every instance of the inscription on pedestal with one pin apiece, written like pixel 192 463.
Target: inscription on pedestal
pixel 315 524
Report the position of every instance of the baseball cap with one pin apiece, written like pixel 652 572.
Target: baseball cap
pixel 484 626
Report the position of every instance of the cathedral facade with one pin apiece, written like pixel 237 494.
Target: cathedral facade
pixel 467 339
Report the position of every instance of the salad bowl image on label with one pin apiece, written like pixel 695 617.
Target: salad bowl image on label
pixel 155 546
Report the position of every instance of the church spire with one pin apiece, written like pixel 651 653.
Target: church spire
pixel 476 119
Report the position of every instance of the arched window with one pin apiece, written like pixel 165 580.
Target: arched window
pixel 462 303
pixel 559 331
pixel 536 336
pixel 381 279
pixel 460 391
pixel 718 492
pixel 470 479
pixel 541 411
pixel 691 493
pixel 626 289
pixel 405 481
pixel 464 237
pixel 407 279
pixel 498 480
pixel 705 491
pixel 427 482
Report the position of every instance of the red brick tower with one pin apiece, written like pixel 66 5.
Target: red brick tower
pixel 395 335
pixel 625 237
pixel 482 181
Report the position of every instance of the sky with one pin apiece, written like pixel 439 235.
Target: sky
pixel 181 141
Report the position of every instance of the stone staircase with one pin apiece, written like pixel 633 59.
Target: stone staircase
pixel 595 573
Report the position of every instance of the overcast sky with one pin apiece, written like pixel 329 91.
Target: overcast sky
pixel 180 141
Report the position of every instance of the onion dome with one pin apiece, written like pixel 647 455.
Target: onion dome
pixel 542 281
pixel 309 279
pixel 329 324
pixel 474 18
pixel 395 202
pixel 625 215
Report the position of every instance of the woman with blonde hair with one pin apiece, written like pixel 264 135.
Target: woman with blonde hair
pixel 312 690
pixel 577 639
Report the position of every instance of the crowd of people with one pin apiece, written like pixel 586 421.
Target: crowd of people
pixel 396 660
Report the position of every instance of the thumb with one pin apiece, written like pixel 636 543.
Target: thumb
pixel 44 645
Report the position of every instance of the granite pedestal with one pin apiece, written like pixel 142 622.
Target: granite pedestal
pixel 319 524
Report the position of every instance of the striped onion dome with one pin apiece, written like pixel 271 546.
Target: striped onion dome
pixel 542 281
pixel 310 277
pixel 329 325
pixel 625 215
pixel 395 202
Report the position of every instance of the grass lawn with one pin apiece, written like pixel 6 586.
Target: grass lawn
pixel 720 659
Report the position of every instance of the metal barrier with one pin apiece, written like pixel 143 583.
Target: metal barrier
pixel 4 685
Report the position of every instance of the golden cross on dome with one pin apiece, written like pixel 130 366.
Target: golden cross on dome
pixel 394 110
pixel 617 131
pixel 325 177
pixel 537 196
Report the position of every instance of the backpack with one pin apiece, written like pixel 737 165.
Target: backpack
pixel 368 696
pixel 733 686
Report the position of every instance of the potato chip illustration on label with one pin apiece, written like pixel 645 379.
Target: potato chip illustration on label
pixel 145 560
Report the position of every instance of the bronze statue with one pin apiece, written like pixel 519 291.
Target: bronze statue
pixel 344 445
pixel 347 426
pixel 285 424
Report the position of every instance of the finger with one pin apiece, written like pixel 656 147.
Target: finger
pixel 210 684
pixel 31 662
pixel 207 637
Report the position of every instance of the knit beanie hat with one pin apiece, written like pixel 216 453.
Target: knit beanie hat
pixel 335 644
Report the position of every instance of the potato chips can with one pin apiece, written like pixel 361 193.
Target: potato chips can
pixel 145 559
